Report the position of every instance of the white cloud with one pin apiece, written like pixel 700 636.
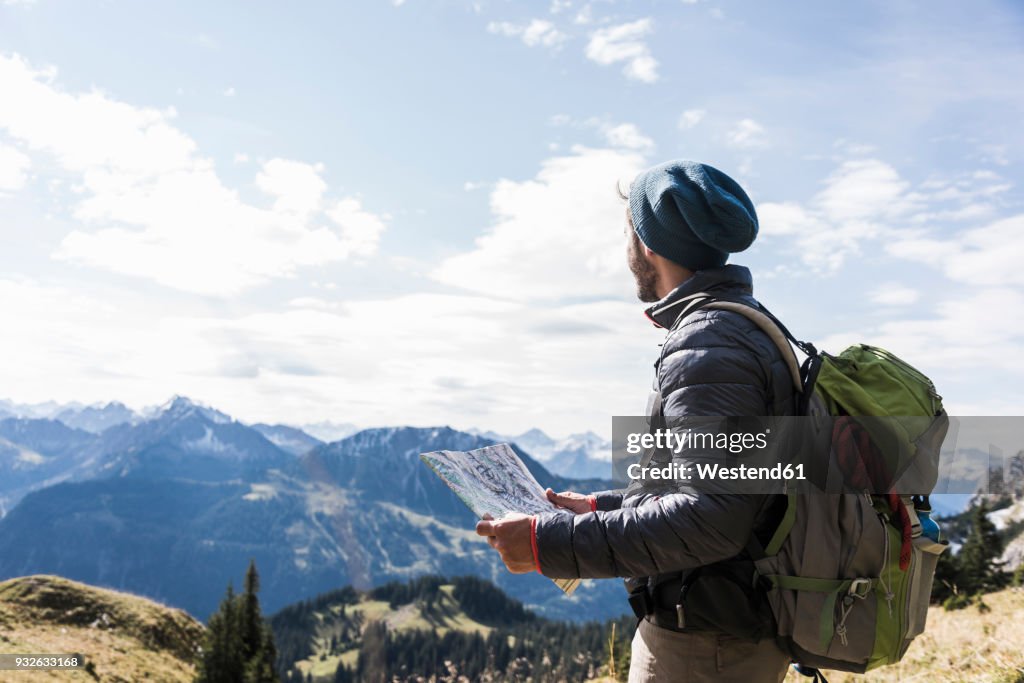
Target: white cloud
pixel 988 256
pixel 866 199
pixel 957 346
pixel 956 330
pixel 860 200
pixel 995 154
pixel 296 186
pixel 505 28
pixel 863 190
pixel 628 136
pixel 747 134
pixel 537 32
pixel 690 118
pixel 557 235
pixel 969 196
pixel 620 135
pixel 229 91
pixel 850 148
pixel 624 43
pixel 13 167
pixel 360 229
pixel 894 294
pixel 151 206
pixel 334 356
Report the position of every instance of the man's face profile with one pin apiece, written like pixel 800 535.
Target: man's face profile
pixel 643 270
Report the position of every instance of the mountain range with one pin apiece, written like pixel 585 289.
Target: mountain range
pixel 584 455
pixel 173 504
pixel 581 456
pixel 99 417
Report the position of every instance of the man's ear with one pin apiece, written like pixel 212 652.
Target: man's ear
pixel 647 250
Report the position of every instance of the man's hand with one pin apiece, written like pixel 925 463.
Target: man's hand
pixel 511 537
pixel 576 503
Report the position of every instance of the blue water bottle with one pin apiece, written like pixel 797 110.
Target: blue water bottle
pixel 929 527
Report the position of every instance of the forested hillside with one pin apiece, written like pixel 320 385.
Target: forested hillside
pixel 438 629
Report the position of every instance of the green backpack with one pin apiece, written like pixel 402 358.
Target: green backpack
pixel 848 576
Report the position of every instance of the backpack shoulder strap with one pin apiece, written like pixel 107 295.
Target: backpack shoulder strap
pixel 773 331
pixel 761 317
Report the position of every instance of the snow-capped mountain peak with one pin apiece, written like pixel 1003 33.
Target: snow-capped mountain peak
pixel 182 406
pixel 585 455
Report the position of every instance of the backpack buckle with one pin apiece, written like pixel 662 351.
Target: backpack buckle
pixel 860 588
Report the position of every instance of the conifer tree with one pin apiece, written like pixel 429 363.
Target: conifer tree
pixel 979 569
pixel 252 622
pixel 222 658
pixel 372 663
pixel 239 646
pixel 947 577
pixel 343 674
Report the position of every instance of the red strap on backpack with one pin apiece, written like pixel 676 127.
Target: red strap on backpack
pixel 864 468
pixel 898 507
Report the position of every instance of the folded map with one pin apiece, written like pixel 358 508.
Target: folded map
pixel 494 481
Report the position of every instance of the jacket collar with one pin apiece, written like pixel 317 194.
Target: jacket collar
pixel 732 278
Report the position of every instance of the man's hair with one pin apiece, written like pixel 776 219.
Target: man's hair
pixel 623 194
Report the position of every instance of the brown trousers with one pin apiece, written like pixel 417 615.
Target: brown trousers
pixel 662 656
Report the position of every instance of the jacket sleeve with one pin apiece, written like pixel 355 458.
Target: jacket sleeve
pixel 673 532
pixel 714 370
pixel 608 500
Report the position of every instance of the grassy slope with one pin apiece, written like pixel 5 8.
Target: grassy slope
pixel 126 637
pixel 138 639
pixel 964 645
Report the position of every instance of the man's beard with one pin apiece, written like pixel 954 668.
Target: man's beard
pixel 643 272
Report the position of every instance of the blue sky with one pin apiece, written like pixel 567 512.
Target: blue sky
pixel 403 213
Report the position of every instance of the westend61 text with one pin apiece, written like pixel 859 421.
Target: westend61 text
pixel 707 471
pixel 676 441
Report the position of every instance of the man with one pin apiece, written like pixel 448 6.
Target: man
pixel 684 551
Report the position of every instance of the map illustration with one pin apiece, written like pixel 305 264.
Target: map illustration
pixel 494 481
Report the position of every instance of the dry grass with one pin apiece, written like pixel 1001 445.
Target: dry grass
pixel 968 645
pixel 126 638
pixel 965 646
pixel 140 640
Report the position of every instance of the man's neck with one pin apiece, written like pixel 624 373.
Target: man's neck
pixel 670 280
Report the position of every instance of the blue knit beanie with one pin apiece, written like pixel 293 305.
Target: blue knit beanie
pixel 691 213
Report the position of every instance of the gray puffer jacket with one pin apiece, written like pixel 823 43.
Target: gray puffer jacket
pixel 715 363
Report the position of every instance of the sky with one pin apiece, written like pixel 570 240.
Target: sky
pixel 404 212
